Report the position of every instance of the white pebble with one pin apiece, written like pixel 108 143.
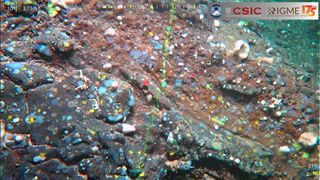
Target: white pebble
pixel 242 48
pixel 127 128
pixel 170 138
pixel 149 98
pixel 114 84
pixel 278 114
pixel 120 6
pixel 308 139
pixel 107 66
pixel 157 38
pixel 16 120
pixel 216 23
pixel 94 149
pixel 110 32
pixel 284 149
pixel 237 160
pixel 268 51
pixel 258 81
pixel 180 64
pixel 119 18
pixel 184 35
pixel 210 38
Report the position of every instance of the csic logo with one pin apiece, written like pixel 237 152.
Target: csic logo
pixel 216 11
pixel 247 10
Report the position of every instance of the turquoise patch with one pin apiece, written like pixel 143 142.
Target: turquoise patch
pixel 131 100
pixel 68 117
pixel 108 82
pixel 14 65
pixel 102 90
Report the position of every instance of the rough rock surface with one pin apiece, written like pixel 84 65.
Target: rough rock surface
pixel 74 75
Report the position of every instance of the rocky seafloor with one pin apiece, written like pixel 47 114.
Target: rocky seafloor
pixel 95 89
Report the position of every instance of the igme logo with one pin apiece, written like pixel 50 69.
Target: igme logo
pixel 271 10
pixel 309 10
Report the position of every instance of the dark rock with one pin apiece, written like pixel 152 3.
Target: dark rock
pixel 13 107
pixel 76 146
pixel 72 99
pixel 135 158
pixel 54 169
pixel 28 76
pixel 18 50
pixel 74 153
pixel 46 152
pixel 116 155
pixel 58 39
pixel 8 164
pixel 241 89
pixel 271 72
pixel 108 139
pixel 306 77
pixel 203 141
pixel 43 49
pixel 307 91
pixel 95 168
pixel 142 57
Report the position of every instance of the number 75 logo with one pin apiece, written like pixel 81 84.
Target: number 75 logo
pixel 309 10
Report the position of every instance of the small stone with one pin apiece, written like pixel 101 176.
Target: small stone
pixel 156 38
pixel 2 104
pixel 210 38
pixel 258 81
pixel 149 98
pixel 38 158
pixel 309 110
pixel 308 139
pixel 242 48
pixel 184 35
pixel 284 149
pixel 119 18
pixel 278 114
pixel 237 160
pixel 170 138
pixel 110 32
pixel 16 120
pixel 94 149
pixel 107 66
pixel 114 85
pixel 127 128
pixel 268 60
pixel 269 50
pixel 119 6
pixel 216 23
pixel 180 64
pixel 271 72
pixel 18 138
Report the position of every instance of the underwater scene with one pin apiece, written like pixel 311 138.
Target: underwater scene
pixel 156 89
